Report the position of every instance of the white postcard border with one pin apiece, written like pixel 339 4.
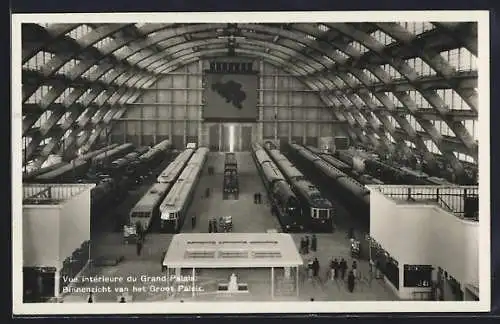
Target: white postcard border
pixel 482 17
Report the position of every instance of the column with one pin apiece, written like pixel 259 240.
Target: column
pixel 240 140
pixel 192 287
pixel 57 281
pixel 272 282
pixel 297 279
pixel 220 137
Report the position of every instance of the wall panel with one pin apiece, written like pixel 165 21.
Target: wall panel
pixel 165 107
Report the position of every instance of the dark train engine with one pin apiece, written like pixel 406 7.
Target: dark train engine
pixel 230 184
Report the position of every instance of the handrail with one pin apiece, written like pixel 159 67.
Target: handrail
pixel 447 207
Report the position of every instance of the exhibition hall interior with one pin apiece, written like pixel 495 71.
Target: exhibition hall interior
pixel 172 162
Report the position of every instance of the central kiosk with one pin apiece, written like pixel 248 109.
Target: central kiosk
pixel 276 251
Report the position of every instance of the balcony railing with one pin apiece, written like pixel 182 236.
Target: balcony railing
pixel 461 201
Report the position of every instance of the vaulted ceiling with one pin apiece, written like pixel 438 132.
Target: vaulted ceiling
pixel 365 72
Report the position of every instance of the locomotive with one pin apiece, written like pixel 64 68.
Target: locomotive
pixel 316 209
pixel 174 207
pixel 147 208
pixel 284 202
pixel 230 183
pixel 355 194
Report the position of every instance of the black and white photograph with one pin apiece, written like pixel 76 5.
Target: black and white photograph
pixel 251 162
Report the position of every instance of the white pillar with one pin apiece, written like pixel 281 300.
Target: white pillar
pixel 192 287
pixel 272 282
pixel 297 279
pixel 57 281
pixel 220 137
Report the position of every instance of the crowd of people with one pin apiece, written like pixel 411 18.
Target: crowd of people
pixel 337 268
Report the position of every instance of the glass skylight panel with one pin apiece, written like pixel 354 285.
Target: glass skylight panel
pixel 134 57
pixel 43 118
pixel 82 116
pixel 68 66
pixel 342 54
pixel 375 100
pixel 460 59
pixel 37 96
pixel 64 95
pixel 393 73
pixel 90 71
pixel 431 146
pixel 359 47
pixel 103 43
pixel 79 31
pixel 421 67
pixel 413 122
pixel 443 128
pixel 417 28
pixel 410 144
pixel 389 136
pixel 353 78
pixel 452 99
pixel 311 37
pixel 64 118
pixel 109 114
pixel 382 37
pixel 393 121
pixel 106 76
pixel 323 28
pixel 38 60
pixel 464 157
pixel 121 52
pixel 419 100
pixel 393 99
pixel 66 134
pixel 370 76
pixel 472 127
pixel 99 99
pixel 356 100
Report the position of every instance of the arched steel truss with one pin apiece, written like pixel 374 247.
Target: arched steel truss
pixel 308 53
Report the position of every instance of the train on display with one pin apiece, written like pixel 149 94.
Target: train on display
pixel 110 176
pixel 284 203
pixel 328 157
pixel 174 207
pixel 166 176
pixel 354 194
pixel 363 163
pixel 31 176
pixel 147 208
pixel 317 211
pixel 230 185
pixel 103 160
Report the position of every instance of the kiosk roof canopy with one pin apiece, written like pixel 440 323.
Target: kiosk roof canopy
pixel 232 250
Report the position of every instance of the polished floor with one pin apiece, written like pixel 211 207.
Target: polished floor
pixel 247 217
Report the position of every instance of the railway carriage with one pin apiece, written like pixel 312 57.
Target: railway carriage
pixel 155 154
pixel 103 159
pixel 174 207
pixel 312 202
pixel 354 193
pixel 147 208
pixel 173 170
pixel 284 202
pixel 230 184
